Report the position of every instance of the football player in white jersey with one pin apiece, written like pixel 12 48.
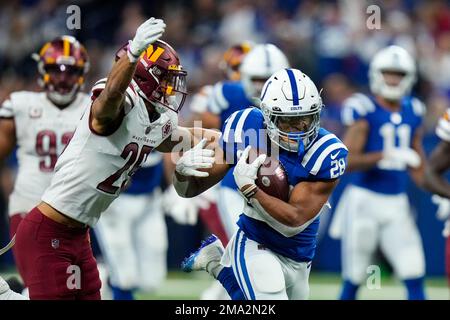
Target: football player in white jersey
pixel 438 165
pixel 384 138
pixel 269 256
pixel 132 112
pixel 41 124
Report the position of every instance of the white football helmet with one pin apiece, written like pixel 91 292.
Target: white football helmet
pixel 392 58
pixel 258 65
pixel 291 105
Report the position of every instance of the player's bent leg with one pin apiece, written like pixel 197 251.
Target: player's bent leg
pixel 258 271
pixel 49 254
pixel 208 257
pixel 297 274
pixel 90 275
pixel 402 245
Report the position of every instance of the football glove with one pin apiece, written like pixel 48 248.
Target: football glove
pixel 182 210
pixel 245 174
pixel 147 33
pixel 194 159
pixel 406 156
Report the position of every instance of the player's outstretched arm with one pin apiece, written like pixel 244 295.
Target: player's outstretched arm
pixel 202 162
pixel 438 164
pixel 107 108
pixel 355 139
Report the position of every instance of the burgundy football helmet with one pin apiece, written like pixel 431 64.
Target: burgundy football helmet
pixel 62 65
pixel 232 59
pixel 159 76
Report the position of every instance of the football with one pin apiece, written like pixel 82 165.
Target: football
pixel 271 178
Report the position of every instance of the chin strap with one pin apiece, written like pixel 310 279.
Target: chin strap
pixel 8 246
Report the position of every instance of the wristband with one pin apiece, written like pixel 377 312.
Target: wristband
pixel 249 192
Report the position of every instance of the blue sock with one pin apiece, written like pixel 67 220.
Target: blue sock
pixel 228 281
pixel 349 291
pixel 120 294
pixel 415 288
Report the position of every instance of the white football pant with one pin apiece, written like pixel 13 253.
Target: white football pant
pixel 132 234
pixel 264 275
pixel 365 220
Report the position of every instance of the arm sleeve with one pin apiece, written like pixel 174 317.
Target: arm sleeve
pixel 6 109
pixel 356 107
pixel 241 129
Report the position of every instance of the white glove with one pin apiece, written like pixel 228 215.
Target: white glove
pixel 147 33
pixel 245 174
pixel 401 156
pixel 443 211
pixel 194 159
pixel 182 210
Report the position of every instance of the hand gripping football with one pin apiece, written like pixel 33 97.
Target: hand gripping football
pixel 272 177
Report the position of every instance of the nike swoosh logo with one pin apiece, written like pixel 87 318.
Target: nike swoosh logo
pixel 333 156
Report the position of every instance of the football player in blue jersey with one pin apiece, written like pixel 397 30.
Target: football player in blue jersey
pixel 132 234
pixel 384 138
pixel 270 254
pixel 230 96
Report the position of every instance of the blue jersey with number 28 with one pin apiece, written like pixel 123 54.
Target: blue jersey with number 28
pixel 325 159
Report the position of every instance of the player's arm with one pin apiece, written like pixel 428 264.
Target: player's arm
pixel 305 202
pixel 355 139
pixel 209 120
pixel 201 165
pixel 418 173
pixel 7 138
pixel 438 164
pixel 107 108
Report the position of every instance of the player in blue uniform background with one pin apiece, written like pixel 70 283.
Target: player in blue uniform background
pixel 384 138
pixel 228 97
pixel 269 256
pixel 132 234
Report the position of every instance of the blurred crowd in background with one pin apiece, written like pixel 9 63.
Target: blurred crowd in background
pixel 328 40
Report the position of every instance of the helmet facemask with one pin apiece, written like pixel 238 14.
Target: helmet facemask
pixel 62 82
pixel 293 132
pixel 171 91
pixel 390 91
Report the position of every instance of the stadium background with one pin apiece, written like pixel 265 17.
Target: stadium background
pixel 328 40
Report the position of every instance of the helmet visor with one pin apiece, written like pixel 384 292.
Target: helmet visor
pixel 174 90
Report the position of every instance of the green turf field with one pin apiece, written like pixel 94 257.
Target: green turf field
pixel 179 286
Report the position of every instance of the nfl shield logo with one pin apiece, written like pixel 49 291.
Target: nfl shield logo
pixel 55 243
